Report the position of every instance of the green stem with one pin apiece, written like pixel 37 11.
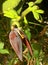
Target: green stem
pixel 24 13
pixel 36 24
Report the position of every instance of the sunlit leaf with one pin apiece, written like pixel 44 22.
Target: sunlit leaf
pixel 1 45
pixel 4 51
pixel 31 4
pixel 38 1
pixel 40 11
pixel 11 14
pixel 10 4
pixel 35 7
pixel 36 15
pixel 40 18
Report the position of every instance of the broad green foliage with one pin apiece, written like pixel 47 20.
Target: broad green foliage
pixel 11 14
pixel 10 4
pixel 8 8
pixel 3 51
pixel 38 1
pixel 28 34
